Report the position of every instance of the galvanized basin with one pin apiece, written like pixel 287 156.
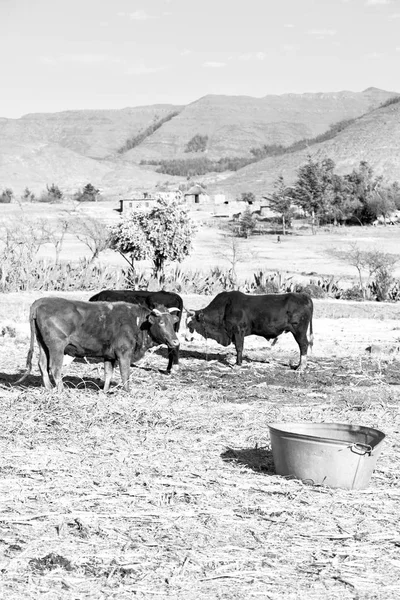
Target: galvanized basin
pixel 330 454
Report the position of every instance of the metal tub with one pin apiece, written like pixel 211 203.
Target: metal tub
pixel 331 454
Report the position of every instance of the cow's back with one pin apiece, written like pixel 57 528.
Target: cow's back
pixel 144 298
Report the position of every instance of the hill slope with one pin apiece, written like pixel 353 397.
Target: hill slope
pixel 374 137
pixel 92 133
pixel 235 124
pixel 73 148
pixel 36 164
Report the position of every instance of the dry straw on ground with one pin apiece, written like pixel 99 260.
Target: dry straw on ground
pixel 170 492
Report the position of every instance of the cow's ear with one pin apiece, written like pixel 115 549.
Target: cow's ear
pixel 153 317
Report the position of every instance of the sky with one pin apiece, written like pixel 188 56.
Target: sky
pixel 109 54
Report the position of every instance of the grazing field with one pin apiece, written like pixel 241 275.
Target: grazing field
pixel 299 252
pixel 170 491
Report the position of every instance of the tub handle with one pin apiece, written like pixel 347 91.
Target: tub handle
pixel 362 449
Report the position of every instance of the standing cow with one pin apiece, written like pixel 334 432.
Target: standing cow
pixel 231 316
pixel 112 331
pixel 151 300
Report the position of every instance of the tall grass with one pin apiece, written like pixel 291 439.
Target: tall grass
pixel 87 275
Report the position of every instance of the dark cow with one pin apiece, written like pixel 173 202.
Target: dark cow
pixel 151 300
pixel 112 331
pixel 231 316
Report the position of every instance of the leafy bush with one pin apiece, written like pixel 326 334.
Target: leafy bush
pixel 312 289
pixel 353 293
pixel 27 195
pixel 88 194
pixel 52 194
pixel 6 196
pixel 198 143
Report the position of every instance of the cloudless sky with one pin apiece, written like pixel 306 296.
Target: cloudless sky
pixel 75 54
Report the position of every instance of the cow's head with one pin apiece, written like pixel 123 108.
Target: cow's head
pixel 161 322
pixel 206 324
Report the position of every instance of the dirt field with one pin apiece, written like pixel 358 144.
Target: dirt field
pixel 170 491
pixel 300 252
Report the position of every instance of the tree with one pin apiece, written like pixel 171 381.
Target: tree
pixel 88 194
pixel 164 233
pixel 247 223
pixel 55 233
pixel 313 188
pixel 198 143
pixel 372 265
pixel 248 197
pixel 52 194
pixel 6 196
pixel 93 233
pixel 27 195
pixel 235 251
pixel 280 202
pixel 362 185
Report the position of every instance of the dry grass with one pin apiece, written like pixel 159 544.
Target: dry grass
pixel 170 492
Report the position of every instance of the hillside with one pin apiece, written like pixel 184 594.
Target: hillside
pixel 374 137
pixel 91 133
pixel 73 148
pixel 235 124
pixel 36 164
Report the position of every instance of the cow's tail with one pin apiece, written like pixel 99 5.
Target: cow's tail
pixel 311 336
pixel 32 318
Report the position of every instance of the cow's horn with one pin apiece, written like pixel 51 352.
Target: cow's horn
pixel 191 313
pixel 156 312
pixel 173 309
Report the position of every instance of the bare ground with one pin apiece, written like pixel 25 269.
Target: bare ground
pixel 170 491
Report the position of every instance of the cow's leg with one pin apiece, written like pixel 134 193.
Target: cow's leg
pixel 56 363
pixel 238 340
pixel 124 366
pixel 44 367
pixel 108 371
pixel 301 339
pixel 173 359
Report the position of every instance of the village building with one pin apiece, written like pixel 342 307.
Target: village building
pixel 196 195
pixel 142 201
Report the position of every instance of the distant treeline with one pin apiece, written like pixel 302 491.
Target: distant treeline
pixel 140 137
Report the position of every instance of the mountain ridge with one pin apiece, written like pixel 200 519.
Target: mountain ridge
pixel 71 148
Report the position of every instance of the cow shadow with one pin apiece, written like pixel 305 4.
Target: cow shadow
pixel 8 380
pixel 257 459
pixel 203 356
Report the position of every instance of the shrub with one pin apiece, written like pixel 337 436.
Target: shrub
pixel 6 196
pixel 198 143
pixel 88 194
pixel 52 195
pixel 353 293
pixel 312 289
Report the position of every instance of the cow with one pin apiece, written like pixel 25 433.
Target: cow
pixel 112 331
pixel 231 316
pixel 151 300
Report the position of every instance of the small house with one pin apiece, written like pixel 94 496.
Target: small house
pixel 143 201
pixel 196 195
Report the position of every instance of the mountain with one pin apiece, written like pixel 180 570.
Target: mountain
pixel 73 148
pixel 235 124
pixel 91 133
pixel 374 137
